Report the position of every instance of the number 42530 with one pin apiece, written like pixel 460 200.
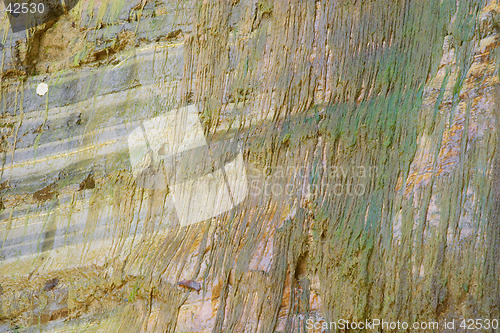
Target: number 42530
pixel 474 324
pixel 25 8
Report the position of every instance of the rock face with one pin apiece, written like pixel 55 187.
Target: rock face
pixel 368 138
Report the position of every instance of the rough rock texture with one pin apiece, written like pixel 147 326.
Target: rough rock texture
pixel 369 133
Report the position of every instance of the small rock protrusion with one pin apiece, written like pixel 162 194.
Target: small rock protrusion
pixel 174 34
pixel 190 284
pixel 88 183
pixel 46 193
pixel 51 284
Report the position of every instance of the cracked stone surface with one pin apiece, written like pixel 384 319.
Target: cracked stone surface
pixel 369 136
